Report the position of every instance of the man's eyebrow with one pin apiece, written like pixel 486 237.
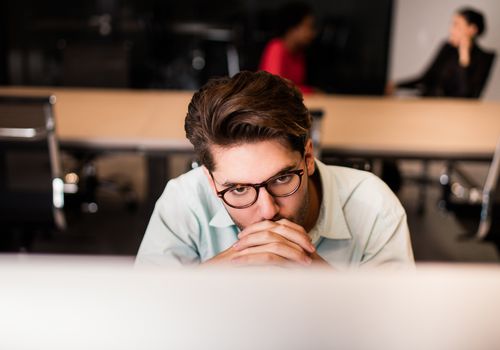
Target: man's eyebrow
pixel 282 171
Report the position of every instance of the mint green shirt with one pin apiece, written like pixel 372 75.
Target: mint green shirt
pixel 361 222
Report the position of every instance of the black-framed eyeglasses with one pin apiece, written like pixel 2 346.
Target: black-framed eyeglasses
pixel 242 196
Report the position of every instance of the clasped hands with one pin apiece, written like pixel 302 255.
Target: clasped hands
pixel 279 243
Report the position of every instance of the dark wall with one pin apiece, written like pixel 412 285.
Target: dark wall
pixel 180 44
pixel 3 43
pixel 351 51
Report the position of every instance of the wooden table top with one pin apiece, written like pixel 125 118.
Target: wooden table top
pixel 409 126
pixel 154 120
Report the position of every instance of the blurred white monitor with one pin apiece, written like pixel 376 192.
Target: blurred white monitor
pixel 90 303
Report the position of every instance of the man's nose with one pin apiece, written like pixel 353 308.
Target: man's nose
pixel 268 207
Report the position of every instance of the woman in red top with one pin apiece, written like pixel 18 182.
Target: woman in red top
pixel 284 55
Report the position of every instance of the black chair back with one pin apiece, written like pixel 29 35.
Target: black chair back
pixel 31 188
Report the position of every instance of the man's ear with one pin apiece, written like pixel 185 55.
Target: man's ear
pixel 309 157
pixel 210 178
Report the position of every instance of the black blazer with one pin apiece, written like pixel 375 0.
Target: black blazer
pixel 445 76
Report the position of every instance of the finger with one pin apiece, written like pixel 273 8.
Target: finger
pixel 221 258
pixel 280 249
pixel 258 226
pixel 292 225
pixel 262 238
pixel 261 259
pixel 298 236
pixel 284 227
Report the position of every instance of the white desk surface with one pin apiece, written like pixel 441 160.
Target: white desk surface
pixel 62 303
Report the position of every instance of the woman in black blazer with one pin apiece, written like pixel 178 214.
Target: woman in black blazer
pixel 461 67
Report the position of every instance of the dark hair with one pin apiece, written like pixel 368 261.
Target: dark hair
pixel 290 15
pixel 247 108
pixel 474 17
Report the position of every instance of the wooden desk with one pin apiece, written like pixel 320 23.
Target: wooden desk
pixel 102 120
pixel 118 119
pixel 409 128
pixel 153 122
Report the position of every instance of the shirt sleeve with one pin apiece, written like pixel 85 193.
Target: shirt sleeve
pixel 428 78
pixel 172 232
pixel 389 244
pixel 472 79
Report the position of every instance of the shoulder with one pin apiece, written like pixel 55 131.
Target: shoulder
pixel 192 181
pixel 174 232
pixel 446 49
pixel 487 54
pixel 189 191
pixel 366 211
pixel 276 42
pixel 364 191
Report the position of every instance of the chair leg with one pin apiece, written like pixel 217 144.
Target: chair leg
pixel 89 203
pixel 422 192
pixel 445 180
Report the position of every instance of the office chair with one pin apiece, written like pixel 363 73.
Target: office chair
pixel 88 184
pixel 482 205
pixel 192 52
pixel 31 186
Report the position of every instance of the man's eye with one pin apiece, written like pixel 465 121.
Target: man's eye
pixel 239 191
pixel 284 179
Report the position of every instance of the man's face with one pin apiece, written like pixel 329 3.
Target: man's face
pixel 253 163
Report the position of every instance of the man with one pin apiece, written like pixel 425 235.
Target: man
pixel 260 197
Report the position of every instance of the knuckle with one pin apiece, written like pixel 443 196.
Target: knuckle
pixel 304 241
pixel 275 246
pixel 270 257
pixel 266 257
pixel 242 259
pixel 245 240
pixel 268 235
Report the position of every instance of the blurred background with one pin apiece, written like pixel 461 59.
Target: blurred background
pixel 360 46
pixel 180 44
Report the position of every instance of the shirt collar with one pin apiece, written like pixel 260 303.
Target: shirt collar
pixel 221 218
pixel 331 220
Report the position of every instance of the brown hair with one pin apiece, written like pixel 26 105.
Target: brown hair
pixel 249 107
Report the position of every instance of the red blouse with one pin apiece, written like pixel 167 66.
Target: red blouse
pixel 276 59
